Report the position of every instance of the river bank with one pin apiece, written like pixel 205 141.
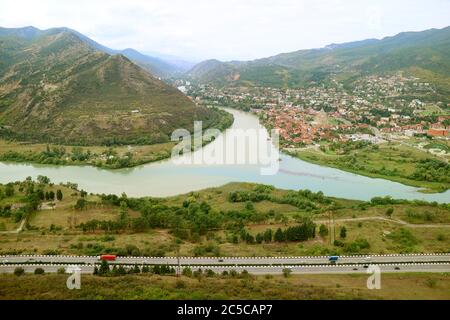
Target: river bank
pixel 108 157
pixel 384 163
pixel 166 178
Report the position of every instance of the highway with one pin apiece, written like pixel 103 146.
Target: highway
pixel 236 261
pixel 264 270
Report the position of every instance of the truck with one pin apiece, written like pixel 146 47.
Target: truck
pixel 108 257
pixel 333 259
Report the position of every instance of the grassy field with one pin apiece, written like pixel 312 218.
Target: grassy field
pixel 410 228
pixel 132 287
pixel 389 161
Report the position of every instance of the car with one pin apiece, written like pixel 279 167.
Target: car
pixel 220 260
pixel 366 267
pixel 355 269
pixel 397 268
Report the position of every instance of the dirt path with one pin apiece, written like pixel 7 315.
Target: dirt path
pixel 17 231
pixel 401 222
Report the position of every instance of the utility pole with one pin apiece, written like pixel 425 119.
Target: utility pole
pixel 178 262
pixel 330 227
pixel 334 227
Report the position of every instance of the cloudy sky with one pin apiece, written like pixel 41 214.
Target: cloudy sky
pixel 227 29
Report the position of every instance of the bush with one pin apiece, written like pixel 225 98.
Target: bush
pixel 61 271
pixel 357 245
pixel 39 271
pixel 431 283
pixel 210 273
pixel 19 271
pixel 244 273
pixel 287 273
pixel 323 231
pixel 187 272
pixel 180 284
pixel 404 238
pixel 145 269
pixel 343 233
pixel 389 212
pixel 338 243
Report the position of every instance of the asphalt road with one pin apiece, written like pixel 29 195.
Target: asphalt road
pixel 238 261
pixel 264 270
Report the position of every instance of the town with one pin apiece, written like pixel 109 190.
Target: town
pixel 374 109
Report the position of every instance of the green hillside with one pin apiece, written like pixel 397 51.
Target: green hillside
pixel 55 87
pixel 424 54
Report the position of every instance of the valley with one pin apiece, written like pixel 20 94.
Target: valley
pixel 87 173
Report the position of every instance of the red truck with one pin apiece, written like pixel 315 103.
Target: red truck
pixel 108 257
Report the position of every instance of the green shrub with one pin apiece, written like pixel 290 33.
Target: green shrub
pixel 39 271
pixel 19 271
pixel 404 238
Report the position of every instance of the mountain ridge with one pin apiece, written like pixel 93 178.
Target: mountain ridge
pixel 422 53
pixel 156 66
pixel 55 87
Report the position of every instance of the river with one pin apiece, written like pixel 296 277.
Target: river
pixel 167 178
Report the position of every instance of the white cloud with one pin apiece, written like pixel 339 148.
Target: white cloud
pixel 232 29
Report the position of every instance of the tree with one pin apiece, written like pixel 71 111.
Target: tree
pixel 187 272
pixel 287 273
pixel 81 204
pixel 123 212
pixel 51 196
pixel 9 190
pixel 259 238
pixel 41 194
pixel 389 212
pixel 210 273
pixel 249 206
pixel 250 239
pixel 121 270
pixel 59 195
pixel 146 269
pixel 19 271
pixel 205 207
pixel 136 269
pixel 323 231
pixel 104 268
pixel 268 235
pixel 343 233
pixel 39 271
pixel 43 180
pixel 279 236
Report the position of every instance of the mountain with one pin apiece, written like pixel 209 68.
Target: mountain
pixel 214 70
pixel 57 87
pixel 181 64
pixel 155 66
pixel 159 67
pixel 425 54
